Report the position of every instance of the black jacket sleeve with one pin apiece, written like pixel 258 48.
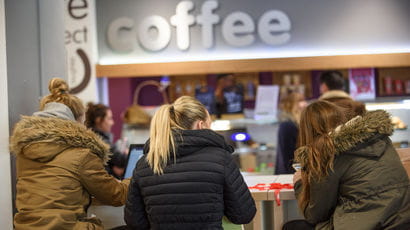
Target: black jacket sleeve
pixel 134 212
pixel 239 204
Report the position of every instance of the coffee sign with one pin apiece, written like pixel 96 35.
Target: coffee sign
pixel 152 31
pixel 238 28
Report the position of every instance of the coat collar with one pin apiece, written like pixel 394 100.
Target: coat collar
pixel 42 138
pixel 57 110
pixel 189 141
pixel 335 94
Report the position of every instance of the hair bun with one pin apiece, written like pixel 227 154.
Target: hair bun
pixel 57 87
pixel 90 104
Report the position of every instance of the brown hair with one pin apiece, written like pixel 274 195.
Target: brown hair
pixel 350 108
pixel 95 111
pixel 59 93
pixel 289 105
pixel 317 121
pixel 180 115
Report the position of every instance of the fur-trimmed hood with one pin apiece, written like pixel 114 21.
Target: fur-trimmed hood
pixel 359 136
pixel 43 138
pixel 371 126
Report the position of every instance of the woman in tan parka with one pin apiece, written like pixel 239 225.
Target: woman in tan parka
pixel 60 166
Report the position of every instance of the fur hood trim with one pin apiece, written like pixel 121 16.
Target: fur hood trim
pixel 361 129
pixel 55 131
pixel 346 137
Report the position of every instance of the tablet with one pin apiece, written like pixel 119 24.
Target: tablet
pixel 136 151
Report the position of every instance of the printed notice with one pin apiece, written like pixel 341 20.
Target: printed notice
pixel 362 84
pixel 266 102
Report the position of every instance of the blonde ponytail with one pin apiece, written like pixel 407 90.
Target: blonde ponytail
pixel 179 116
pixel 161 139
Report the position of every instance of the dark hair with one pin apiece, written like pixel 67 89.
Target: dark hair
pixel 333 80
pixel 220 76
pixel 94 111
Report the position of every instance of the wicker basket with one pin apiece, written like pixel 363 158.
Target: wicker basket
pixel 136 114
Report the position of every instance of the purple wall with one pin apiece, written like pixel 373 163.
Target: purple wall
pixel 265 78
pixel 120 97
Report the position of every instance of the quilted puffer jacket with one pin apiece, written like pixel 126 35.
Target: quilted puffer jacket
pixel 196 190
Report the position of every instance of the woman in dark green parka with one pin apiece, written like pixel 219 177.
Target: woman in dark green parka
pixel 351 176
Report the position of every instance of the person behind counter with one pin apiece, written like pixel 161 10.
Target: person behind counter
pixel 351 176
pixel 99 119
pixel 332 85
pixel 291 107
pixel 229 95
pixel 187 178
pixel 60 165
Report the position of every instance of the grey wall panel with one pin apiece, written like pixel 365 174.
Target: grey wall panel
pixel 35 53
pixel 23 57
pixel 52 50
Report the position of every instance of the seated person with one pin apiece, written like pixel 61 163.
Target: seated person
pixel 351 176
pixel 60 166
pixel 187 178
pixel 99 119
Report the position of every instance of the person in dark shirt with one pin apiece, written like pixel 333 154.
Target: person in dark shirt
pixel 229 95
pixel 291 107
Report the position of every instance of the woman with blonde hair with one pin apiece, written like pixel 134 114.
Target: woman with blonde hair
pixel 187 178
pixel 60 166
pixel 291 107
pixel 351 176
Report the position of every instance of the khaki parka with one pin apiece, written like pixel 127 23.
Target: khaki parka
pixel 60 167
pixel 368 187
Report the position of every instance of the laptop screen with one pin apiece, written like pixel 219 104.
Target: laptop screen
pixel 135 153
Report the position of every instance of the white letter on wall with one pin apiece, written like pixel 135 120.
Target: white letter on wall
pixel 113 35
pixel 237 29
pixel 163 35
pixel 182 20
pixel 207 19
pixel 274 27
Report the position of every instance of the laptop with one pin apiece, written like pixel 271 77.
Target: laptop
pixel 134 154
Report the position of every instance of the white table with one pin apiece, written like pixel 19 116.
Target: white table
pixel 269 195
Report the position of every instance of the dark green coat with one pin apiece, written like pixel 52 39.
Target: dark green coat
pixel 369 187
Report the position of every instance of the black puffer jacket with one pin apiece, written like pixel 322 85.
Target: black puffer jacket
pixel 195 193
